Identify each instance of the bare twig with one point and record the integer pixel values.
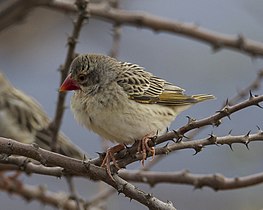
(198, 145)
(214, 120)
(139, 19)
(241, 94)
(215, 181)
(255, 85)
(72, 40)
(73, 192)
(29, 167)
(114, 51)
(155, 23)
(28, 192)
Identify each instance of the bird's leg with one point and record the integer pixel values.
(110, 157)
(143, 147)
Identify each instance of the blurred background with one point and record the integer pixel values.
(31, 53)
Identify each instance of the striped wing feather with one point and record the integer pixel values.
(144, 87)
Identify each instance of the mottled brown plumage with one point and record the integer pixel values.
(23, 119)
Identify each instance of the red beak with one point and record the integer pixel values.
(69, 84)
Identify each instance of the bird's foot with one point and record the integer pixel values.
(144, 148)
(110, 157)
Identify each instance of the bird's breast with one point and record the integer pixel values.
(115, 117)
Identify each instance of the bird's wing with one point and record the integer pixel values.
(23, 119)
(143, 87)
(24, 112)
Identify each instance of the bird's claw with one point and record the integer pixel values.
(143, 147)
(110, 157)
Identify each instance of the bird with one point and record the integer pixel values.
(22, 119)
(122, 102)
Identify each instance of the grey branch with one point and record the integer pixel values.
(28, 192)
(82, 6)
(73, 166)
(159, 24)
(18, 12)
(215, 181)
(214, 120)
(30, 167)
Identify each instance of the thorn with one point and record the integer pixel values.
(126, 146)
(259, 130)
(166, 145)
(101, 154)
(246, 144)
(248, 133)
(167, 129)
(174, 141)
(149, 196)
(250, 95)
(228, 116)
(230, 146)
(227, 102)
(84, 158)
(198, 149)
(179, 137)
(130, 199)
(190, 120)
(225, 111)
(258, 105)
(216, 123)
(229, 133)
(246, 139)
(212, 138)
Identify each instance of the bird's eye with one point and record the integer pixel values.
(81, 77)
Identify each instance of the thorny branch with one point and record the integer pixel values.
(214, 120)
(82, 6)
(214, 181)
(59, 200)
(143, 20)
(73, 166)
(255, 85)
(159, 24)
(23, 164)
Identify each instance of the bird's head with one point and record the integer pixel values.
(90, 72)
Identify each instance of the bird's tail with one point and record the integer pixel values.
(202, 97)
